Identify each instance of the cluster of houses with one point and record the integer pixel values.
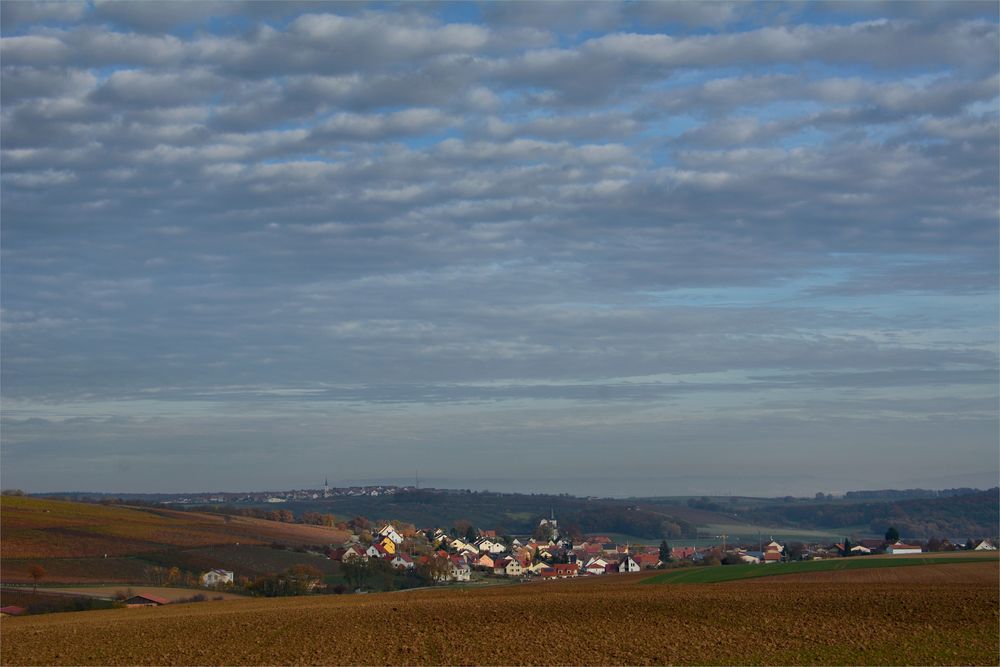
(544, 558)
(556, 558)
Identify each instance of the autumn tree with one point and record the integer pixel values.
(436, 568)
(461, 528)
(36, 572)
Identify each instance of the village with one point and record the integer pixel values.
(547, 555)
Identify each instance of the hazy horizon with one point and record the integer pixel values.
(679, 248)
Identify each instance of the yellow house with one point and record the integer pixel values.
(389, 546)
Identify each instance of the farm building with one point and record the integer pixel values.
(900, 548)
(145, 601)
(217, 577)
(985, 546)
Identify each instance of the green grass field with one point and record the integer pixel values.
(720, 573)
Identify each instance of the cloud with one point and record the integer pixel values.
(550, 225)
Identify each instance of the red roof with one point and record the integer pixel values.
(151, 598)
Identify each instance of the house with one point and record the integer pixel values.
(457, 545)
(752, 557)
(390, 532)
(485, 560)
(984, 546)
(389, 545)
(872, 545)
(513, 568)
(217, 577)
(377, 551)
(488, 533)
(564, 570)
(900, 548)
(461, 572)
(860, 550)
(508, 567)
(647, 561)
(628, 564)
(536, 568)
(680, 553)
(403, 562)
(353, 551)
(771, 557)
(596, 566)
(492, 546)
(145, 601)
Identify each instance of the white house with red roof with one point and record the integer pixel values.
(402, 561)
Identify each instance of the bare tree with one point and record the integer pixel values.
(36, 572)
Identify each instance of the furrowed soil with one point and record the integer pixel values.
(959, 573)
(605, 620)
(168, 592)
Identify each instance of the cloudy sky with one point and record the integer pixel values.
(634, 248)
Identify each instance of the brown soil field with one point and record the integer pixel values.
(166, 592)
(959, 573)
(600, 621)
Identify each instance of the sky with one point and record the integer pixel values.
(590, 248)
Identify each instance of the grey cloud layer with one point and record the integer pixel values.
(659, 211)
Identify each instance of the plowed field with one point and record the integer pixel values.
(606, 620)
(959, 573)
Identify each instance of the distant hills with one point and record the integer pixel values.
(968, 515)
(916, 513)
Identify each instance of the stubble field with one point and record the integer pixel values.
(606, 620)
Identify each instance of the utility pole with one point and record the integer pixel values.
(723, 536)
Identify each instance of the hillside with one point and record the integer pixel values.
(80, 542)
(37, 528)
(962, 516)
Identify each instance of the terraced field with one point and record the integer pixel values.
(604, 620)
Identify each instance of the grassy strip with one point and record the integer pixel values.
(719, 573)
